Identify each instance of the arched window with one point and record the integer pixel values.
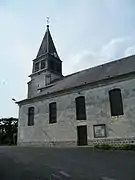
(53, 112)
(80, 108)
(116, 104)
(31, 116)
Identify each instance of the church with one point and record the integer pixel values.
(95, 105)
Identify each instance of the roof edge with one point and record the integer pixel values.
(100, 65)
(95, 84)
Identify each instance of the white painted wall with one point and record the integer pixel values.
(97, 110)
(39, 81)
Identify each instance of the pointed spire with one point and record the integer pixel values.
(47, 45)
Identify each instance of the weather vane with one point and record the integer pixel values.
(47, 20)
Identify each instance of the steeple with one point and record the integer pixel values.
(47, 45)
(47, 58)
(47, 66)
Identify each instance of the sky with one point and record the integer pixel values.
(86, 33)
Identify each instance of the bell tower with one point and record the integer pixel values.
(47, 66)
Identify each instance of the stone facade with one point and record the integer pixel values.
(64, 133)
(38, 81)
(48, 85)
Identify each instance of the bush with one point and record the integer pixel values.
(96, 146)
(129, 147)
(103, 146)
(106, 146)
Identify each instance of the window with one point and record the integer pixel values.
(116, 104)
(52, 112)
(47, 79)
(58, 67)
(31, 116)
(36, 66)
(51, 64)
(99, 130)
(42, 64)
(80, 108)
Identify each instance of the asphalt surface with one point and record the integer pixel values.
(21, 163)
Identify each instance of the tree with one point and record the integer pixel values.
(8, 130)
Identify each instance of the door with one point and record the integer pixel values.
(82, 135)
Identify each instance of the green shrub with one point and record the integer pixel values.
(114, 148)
(96, 146)
(120, 147)
(129, 147)
(103, 146)
(106, 146)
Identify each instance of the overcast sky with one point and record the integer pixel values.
(86, 33)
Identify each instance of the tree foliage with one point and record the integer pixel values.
(8, 130)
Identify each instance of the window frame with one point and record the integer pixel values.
(116, 108)
(52, 65)
(43, 62)
(36, 65)
(52, 113)
(31, 114)
(80, 111)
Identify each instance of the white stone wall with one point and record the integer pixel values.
(39, 81)
(97, 111)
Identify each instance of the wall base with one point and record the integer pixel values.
(49, 144)
(91, 142)
(112, 141)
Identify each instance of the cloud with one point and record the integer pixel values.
(82, 60)
(80, 28)
(16, 61)
(14, 47)
(85, 59)
(130, 51)
(114, 49)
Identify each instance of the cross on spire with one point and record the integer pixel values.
(47, 21)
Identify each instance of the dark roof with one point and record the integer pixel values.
(47, 45)
(109, 70)
(89, 76)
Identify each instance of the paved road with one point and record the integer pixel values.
(17, 163)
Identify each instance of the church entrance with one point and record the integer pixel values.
(82, 135)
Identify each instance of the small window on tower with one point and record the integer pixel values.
(42, 64)
(47, 79)
(51, 64)
(36, 66)
(58, 67)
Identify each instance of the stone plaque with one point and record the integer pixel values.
(99, 130)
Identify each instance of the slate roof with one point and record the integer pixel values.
(89, 76)
(112, 69)
(47, 45)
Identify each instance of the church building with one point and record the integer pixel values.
(95, 105)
